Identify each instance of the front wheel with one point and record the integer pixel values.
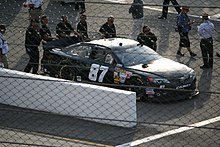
(135, 84)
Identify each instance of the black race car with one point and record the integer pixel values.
(125, 64)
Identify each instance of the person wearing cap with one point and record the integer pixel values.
(206, 30)
(108, 29)
(165, 8)
(3, 47)
(137, 12)
(82, 28)
(184, 26)
(32, 41)
(147, 38)
(35, 8)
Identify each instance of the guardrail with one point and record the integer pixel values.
(92, 102)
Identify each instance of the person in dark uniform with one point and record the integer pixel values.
(82, 28)
(165, 8)
(206, 30)
(45, 31)
(64, 28)
(66, 34)
(184, 26)
(81, 4)
(147, 38)
(32, 41)
(108, 29)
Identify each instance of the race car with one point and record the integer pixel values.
(125, 64)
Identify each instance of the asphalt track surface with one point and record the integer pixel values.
(184, 123)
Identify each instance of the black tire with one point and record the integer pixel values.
(67, 72)
(135, 84)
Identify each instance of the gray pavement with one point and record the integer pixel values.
(40, 128)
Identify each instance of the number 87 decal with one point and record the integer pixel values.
(93, 73)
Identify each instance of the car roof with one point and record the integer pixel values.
(114, 43)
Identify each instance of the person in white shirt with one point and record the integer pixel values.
(3, 47)
(206, 30)
(35, 8)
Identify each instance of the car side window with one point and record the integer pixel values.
(97, 54)
(109, 59)
(82, 51)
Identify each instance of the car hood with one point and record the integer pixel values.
(164, 67)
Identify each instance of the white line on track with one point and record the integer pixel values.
(171, 132)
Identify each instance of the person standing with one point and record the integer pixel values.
(165, 8)
(82, 28)
(34, 8)
(64, 28)
(32, 41)
(206, 30)
(137, 12)
(45, 31)
(184, 26)
(3, 47)
(108, 29)
(147, 38)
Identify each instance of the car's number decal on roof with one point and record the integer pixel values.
(94, 70)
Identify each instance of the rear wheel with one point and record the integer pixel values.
(67, 72)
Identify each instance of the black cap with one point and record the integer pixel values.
(2, 28)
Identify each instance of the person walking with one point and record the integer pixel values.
(184, 26)
(137, 12)
(34, 8)
(165, 8)
(82, 28)
(206, 30)
(81, 4)
(3, 47)
(32, 41)
(146, 37)
(108, 29)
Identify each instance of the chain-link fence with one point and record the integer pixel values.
(70, 102)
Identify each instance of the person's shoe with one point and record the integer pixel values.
(179, 53)
(192, 54)
(204, 66)
(162, 17)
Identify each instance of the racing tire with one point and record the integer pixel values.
(67, 72)
(135, 84)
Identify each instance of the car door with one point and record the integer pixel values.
(100, 67)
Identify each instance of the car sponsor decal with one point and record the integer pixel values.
(183, 86)
(150, 91)
(120, 75)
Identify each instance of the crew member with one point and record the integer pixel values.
(108, 29)
(3, 47)
(184, 26)
(206, 30)
(147, 38)
(82, 28)
(32, 41)
(64, 28)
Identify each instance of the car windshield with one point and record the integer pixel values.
(136, 55)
